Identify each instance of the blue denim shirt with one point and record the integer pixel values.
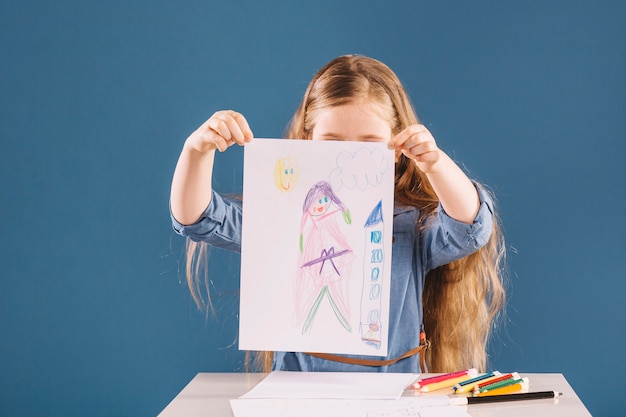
(413, 255)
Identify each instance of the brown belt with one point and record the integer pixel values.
(421, 349)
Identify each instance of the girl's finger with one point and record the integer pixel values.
(404, 139)
(420, 145)
(231, 126)
(243, 125)
(211, 137)
(218, 125)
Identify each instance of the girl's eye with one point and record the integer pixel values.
(286, 172)
(291, 171)
(325, 199)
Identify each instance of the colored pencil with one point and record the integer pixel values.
(467, 386)
(498, 379)
(447, 383)
(520, 386)
(502, 384)
(539, 395)
(432, 379)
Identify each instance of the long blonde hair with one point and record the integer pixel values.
(463, 299)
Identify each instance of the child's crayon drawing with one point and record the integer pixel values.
(325, 257)
(316, 246)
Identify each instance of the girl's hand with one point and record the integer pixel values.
(418, 144)
(455, 191)
(223, 129)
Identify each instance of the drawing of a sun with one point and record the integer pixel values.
(286, 174)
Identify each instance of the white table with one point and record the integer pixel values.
(208, 394)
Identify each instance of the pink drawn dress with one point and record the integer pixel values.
(326, 258)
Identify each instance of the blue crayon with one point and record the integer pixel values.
(474, 380)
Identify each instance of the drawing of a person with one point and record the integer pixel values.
(326, 258)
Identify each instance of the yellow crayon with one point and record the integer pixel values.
(521, 386)
(505, 383)
(448, 383)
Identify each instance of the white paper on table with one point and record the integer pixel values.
(316, 246)
(337, 385)
(414, 407)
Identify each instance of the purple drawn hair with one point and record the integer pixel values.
(324, 188)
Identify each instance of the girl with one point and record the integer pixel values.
(447, 250)
(326, 258)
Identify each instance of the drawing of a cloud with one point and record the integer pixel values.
(362, 169)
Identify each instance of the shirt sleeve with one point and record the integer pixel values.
(447, 239)
(219, 225)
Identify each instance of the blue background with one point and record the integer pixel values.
(96, 99)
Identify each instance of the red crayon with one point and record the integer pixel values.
(439, 378)
(493, 381)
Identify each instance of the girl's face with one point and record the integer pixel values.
(320, 205)
(362, 121)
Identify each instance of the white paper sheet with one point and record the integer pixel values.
(316, 246)
(417, 407)
(338, 385)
